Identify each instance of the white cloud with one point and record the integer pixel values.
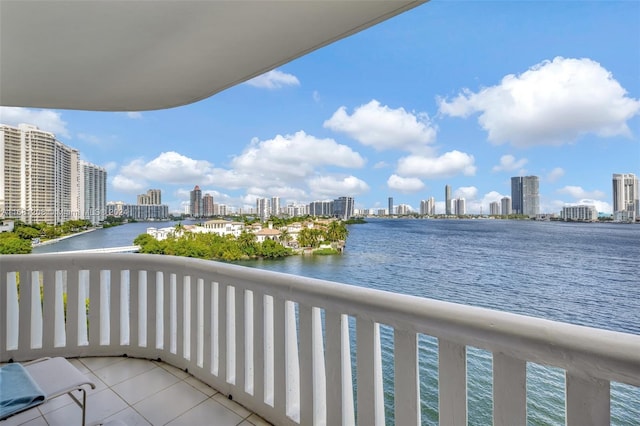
(466, 192)
(447, 165)
(383, 128)
(324, 187)
(135, 115)
(405, 185)
(316, 96)
(380, 165)
(274, 79)
(508, 163)
(552, 103)
(46, 120)
(555, 174)
(577, 192)
(292, 157)
(168, 167)
(129, 185)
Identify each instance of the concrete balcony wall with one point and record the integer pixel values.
(281, 344)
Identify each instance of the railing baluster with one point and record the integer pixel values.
(94, 308)
(185, 317)
(370, 395)
(115, 299)
(24, 311)
(60, 339)
(230, 333)
(240, 350)
(279, 357)
(407, 378)
(207, 325)
(222, 333)
(509, 390)
(134, 293)
(248, 342)
(340, 407)
(587, 401)
(194, 330)
(306, 365)
(452, 377)
(143, 280)
(258, 347)
(199, 321)
(73, 282)
(49, 307)
(151, 302)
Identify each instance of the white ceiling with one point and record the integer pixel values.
(143, 55)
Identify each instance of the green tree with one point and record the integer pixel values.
(337, 231)
(11, 243)
(310, 237)
(27, 232)
(247, 243)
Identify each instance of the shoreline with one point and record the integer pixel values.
(55, 240)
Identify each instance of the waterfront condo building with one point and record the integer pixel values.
(626, 201)
(460, 206)
(525, 195)
(344, 208)
(275, 206)
(428, 207)
(263, 208)
(447, 200)
(208, 206)
(581, 213)
(494, 208)
(93, 192)
(505, 206)
(43, 180)
(390, 206)
(195, 202)
(153, 196)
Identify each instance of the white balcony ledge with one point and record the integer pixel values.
(281, 345)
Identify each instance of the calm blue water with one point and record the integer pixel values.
(586, 274)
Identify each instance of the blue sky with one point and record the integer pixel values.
(452, 92)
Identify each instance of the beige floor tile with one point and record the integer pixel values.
(202, 387)
(233, 406)
(129, 417)
(166, 405)
(210, 413)
(121, 371)
(144, 385)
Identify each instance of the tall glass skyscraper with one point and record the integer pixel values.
(525, 195)
(390, 211)
(447, 200)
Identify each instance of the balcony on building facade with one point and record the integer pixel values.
(291, 348)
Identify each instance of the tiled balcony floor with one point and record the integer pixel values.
(139, 392)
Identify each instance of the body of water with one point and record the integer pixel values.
(586, 274)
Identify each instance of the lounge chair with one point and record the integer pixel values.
(24, 386)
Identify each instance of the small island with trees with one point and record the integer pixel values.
(229, 240)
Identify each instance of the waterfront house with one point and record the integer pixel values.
(277, 344)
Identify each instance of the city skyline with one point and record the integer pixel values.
(436, 96)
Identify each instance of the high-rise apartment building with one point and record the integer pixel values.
(93, 198)
(43, 180)
(428, 207)
(626, 201)
(195, 202)
(275, 206)
(494, 208)
(153, 196)
(321, 208)
(263, 208)
(390, 203)
(525, 195)
(505, 206)
(208, 206)
(344, 208)
(447, 200)
(582, 213)
(460, 206)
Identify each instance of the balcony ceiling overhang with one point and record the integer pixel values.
(144, 55)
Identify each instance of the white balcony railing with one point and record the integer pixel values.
(281, 345)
